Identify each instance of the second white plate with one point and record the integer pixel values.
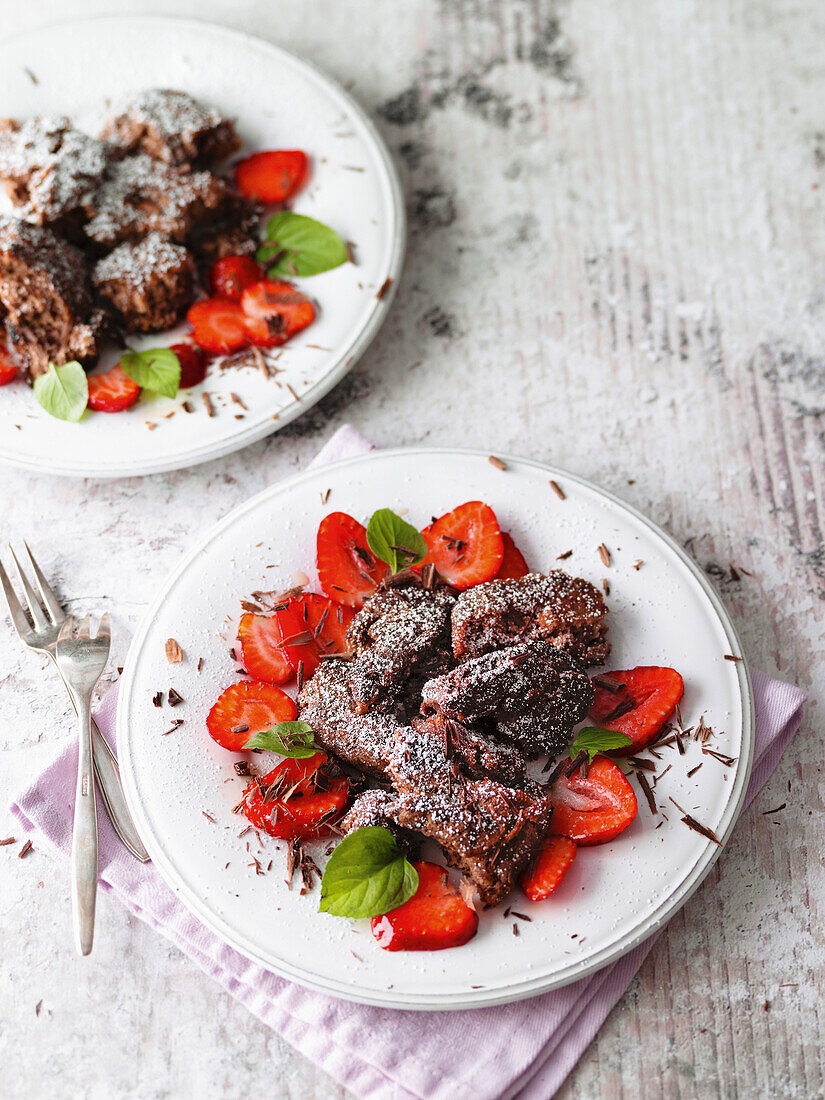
(278, 101)
(663, 612)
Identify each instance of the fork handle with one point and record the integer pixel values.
(84, 835)
(111, 790)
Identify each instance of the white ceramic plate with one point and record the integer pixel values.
(615, 895)
(278, 101)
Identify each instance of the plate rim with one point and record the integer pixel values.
(479, 998)
(349, 356)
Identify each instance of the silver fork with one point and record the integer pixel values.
(41, 635)
(81, 660)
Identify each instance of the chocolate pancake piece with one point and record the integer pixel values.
(487, 830)
(478, 752)
(534, 692)
(377, 808)
(46, 293)
(329, 702)
(149, 282)
(49, 170)
(139, 196)
(566, 611)
(404, 630)
(171, 127)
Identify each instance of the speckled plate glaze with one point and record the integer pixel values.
(664, 612)
(278, 101)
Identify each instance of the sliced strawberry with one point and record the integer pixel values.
(274, 312)
(271, 176)
(245, 709)
(513, 564)
(231, 275)
(465, 545)
(259, 639)
(348, 570)
(302, 807)
(648, 697)
(312, 625)
(553, 862)
(8, 369)
(193, 363)
(592, 809)
(113, 391)
(435, 917)
(218, 326)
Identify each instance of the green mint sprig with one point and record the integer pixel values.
(63, 391)
(594, 739)
(366, 875)
(293, 739)
(298, 245)
(394, 541)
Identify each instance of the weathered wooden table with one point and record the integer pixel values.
(616, 261)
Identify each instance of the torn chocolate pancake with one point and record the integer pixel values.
(377, 808)
(487, 830)
(566, 611)
(359, 735)
(404, 630)
(534, 693)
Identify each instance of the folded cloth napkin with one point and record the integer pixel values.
(522, 1050)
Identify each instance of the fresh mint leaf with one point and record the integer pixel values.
(293, 739)
(394, 541)
(594, 739)
(299, 245)
(63, 391)
(367, 874)
(155, 369)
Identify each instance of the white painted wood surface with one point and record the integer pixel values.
(616, 262)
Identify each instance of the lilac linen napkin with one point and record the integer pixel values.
(523, 1050)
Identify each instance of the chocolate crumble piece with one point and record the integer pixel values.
(566, 611)
(139, 196)
(49, 170)
(150, 282)
(170, 126)
(46, 296)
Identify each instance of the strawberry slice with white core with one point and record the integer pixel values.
(465, 545)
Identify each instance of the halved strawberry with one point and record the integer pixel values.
(193, 363)
(218, 326)
(648, 697)
(259, 639)
(231, 275)
(592, 809)
(8, 369)
(348, 570)
(274, 312)
(311, 626)
(465, 545)
(271, 176)
(245, 709)
(551, 865)
(435, 917)
(513, 564)
(298, 809)
(113, 391)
